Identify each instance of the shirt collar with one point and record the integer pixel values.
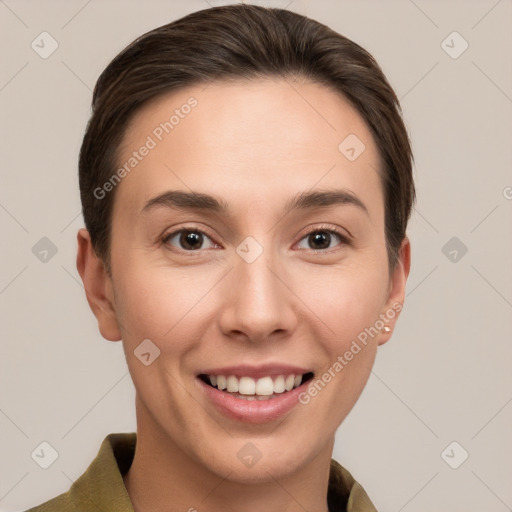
(103, 484)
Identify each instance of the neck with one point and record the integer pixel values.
(163, 477)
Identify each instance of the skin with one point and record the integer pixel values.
(253, 145)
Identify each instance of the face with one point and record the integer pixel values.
(267, 284)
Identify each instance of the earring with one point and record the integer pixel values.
(386, 328)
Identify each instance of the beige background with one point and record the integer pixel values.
(445, 376)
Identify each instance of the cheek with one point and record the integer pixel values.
(155, 305)
(347, 299)
(349, 305)
(162, 303)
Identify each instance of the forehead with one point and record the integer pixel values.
(262, 140)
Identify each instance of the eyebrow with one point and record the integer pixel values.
(184, 200)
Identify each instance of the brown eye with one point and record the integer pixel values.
(321, 239)
(188, 239)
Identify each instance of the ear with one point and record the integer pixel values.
(396, 291)
(98, 287)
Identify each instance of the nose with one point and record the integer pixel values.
(259, 302)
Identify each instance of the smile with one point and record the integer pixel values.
(253, 396)
(247, 388)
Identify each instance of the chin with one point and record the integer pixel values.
(258, 460)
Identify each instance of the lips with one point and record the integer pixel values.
(254, 394)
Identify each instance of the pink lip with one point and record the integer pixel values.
(254, 411)
(256, 372)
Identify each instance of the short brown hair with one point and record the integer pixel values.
(241, 42)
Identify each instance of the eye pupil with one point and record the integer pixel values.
(320, 238)
(191, 239)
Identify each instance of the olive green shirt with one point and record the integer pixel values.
(101, 488)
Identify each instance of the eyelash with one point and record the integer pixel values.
(344, 240)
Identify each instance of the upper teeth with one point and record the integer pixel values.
(250, 386)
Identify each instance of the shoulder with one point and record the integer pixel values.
(101, 486)
(345, 493)
(57, 504)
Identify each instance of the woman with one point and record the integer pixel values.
(246, 185)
